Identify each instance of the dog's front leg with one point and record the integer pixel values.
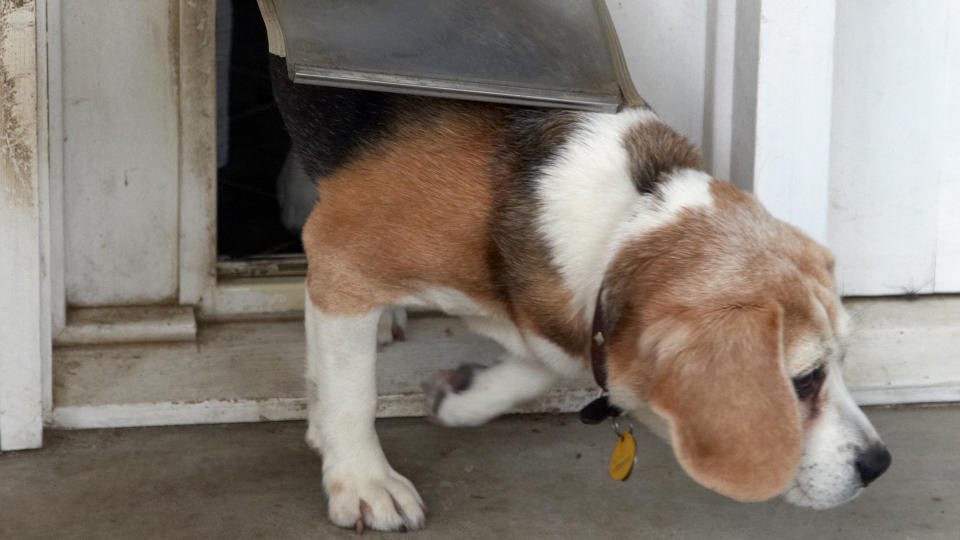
(362, 489)
(472, 394)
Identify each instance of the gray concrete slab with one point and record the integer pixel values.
(519, 477)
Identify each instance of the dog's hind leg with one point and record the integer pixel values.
(392, 326)
(362, 488)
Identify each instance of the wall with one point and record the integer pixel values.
(664, 43)
(895, 147)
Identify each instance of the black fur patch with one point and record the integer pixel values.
(329, 126)
(532, 138)
(519, 255)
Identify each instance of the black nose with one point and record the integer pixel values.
(872, 463)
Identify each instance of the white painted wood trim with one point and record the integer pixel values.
(172, 414)
(53, 69)
(388, 406)
(257, 297)
(21, 268)
(718, 99)
(743, 121)
(269, 410)
(793, 112)
(149, 324)
(198, 150)
(51, 258)
(198, 281)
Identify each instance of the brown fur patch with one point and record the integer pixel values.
(654, 149)
(412, 214)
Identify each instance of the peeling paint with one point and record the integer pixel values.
(21, 357)
(17, 132)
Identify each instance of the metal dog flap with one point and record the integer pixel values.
(553, 53)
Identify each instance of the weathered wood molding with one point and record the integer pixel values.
(24, 316)
(149, 324)
(274, 410)
(197, 100)
(257, 298)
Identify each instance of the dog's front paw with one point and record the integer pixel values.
(392, 326)
(442, 391)
(385, 502)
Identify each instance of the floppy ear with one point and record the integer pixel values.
(722, 387)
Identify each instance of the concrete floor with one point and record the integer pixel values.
(519, 477)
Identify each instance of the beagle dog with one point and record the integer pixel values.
(526, 222)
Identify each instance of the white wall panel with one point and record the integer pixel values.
(947, 276)
(894, 147)
(684, 56)
(120, 151)
(664, 44)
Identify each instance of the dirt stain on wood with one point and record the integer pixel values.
(16, 133)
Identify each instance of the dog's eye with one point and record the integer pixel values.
(808, 386)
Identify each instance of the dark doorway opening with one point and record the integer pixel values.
(252, 137)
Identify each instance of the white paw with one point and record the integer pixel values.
(385, 502)
(445, 396)
(392, 326)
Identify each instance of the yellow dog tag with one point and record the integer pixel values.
(621, 463)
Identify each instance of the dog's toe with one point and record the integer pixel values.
(387, 503)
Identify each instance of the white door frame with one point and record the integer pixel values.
(25, 344)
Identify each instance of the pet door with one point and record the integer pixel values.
(546, 53)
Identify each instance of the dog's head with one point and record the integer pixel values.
(727, 323)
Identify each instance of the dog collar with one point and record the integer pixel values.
(599, 409)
